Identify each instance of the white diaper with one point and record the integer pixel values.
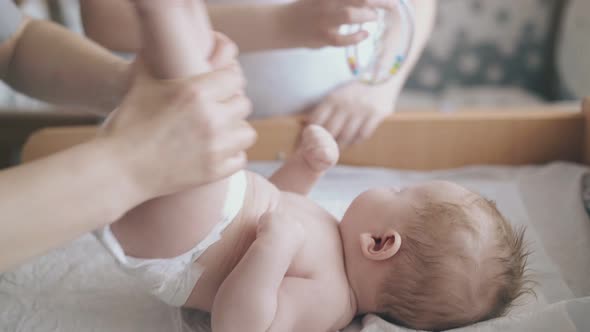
(173, 279)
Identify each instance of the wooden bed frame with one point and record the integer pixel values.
(415, 140)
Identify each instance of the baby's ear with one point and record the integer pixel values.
(380, 247)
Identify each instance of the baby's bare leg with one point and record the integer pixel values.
(316, 153)
(176, 36)
(176, 43)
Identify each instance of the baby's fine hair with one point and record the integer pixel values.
(437, 282)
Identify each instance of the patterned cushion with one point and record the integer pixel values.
(573, 48)
(586, 192)
(489, 42)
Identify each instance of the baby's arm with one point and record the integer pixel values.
(257, 296)
(316, 153)
(249, 294)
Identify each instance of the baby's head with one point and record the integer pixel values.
(434, 256)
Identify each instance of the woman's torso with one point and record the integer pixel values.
(290, 81)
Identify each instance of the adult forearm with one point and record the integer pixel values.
(254, 27)
(425, 12)
(51, 201)
(114, 25)
(111, 23)
(53, 64)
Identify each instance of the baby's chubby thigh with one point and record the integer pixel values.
(169, 226)
(159, 242)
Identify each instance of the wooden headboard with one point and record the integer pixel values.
(415, 140)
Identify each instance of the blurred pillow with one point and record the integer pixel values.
(573, 48)
(479, 42)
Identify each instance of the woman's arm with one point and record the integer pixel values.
(253, 27)
(166, 136)
(54, 200)
(425, 14)
(351, 113)
(53, 64)
(111, 23)
(114, 24)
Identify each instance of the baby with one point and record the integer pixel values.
(260, 256)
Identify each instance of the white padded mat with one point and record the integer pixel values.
(78, 287)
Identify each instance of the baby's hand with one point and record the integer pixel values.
(281, 229)
(318, 148)
(316, 23)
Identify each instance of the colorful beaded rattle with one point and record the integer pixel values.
(370, 60)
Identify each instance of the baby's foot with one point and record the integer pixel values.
(317, 148)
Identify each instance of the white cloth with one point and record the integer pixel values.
(10, 20)
(289, 81)
(173, 279)
(79, 287)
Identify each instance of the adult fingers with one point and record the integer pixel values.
(229, 166)
(384, 4)
(321, 114)
(369, 127)
(353, 15)
(224, 51)
(350, 131)
(337, 39)
(235, 140)
(336, 122)
(220, 84)
(236, 107)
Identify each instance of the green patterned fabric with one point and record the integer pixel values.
(573, 49)
(490, 42)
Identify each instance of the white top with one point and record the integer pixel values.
(289, 81)
(10, 19)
